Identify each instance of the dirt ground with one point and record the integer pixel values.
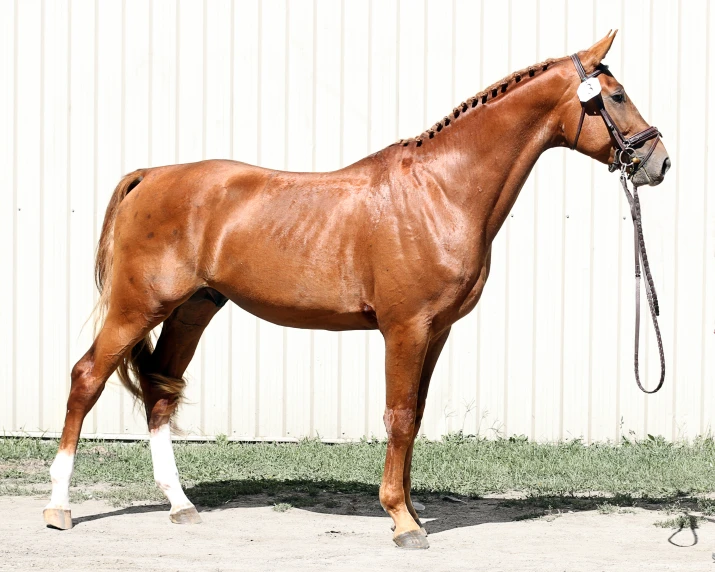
(249, 535)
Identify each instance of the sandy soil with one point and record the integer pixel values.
(248, 535)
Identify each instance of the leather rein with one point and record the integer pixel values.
(628, 162)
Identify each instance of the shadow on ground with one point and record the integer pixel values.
(443, 510)
(121, 511)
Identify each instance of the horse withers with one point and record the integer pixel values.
(399, 242)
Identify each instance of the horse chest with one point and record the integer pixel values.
(472, 295)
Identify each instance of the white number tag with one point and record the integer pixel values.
(589, 89)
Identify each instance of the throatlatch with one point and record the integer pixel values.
(628, 162)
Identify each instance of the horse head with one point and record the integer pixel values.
(611, 129)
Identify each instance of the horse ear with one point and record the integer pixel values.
(593, 55)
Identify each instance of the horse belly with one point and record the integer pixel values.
(299, 312)
(305, 318)
(314, 288)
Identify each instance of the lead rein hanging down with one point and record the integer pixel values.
(628, 162)
(641, 256)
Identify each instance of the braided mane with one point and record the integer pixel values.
(491, 92)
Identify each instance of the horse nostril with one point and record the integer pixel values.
(666, 166)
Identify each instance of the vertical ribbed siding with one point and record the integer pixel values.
(94, 89)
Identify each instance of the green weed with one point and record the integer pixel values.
(680, 521)
(706, 506)
(547, 474)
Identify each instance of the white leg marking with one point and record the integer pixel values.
(166, 474)
(61, 473)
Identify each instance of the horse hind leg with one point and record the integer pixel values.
(161, 386)
(119, 333)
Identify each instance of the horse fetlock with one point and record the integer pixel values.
(393, 502)
(166, 475)
(57, 513)
(404, 522)
(61, 473)
(171, 487)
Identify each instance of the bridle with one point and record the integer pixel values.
(625, 156)
(628, 163)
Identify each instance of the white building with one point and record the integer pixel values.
(92, 90)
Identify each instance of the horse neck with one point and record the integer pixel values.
(485, 159)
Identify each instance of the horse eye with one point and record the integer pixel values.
(618, 97)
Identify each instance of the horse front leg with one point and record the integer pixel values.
(175, 348)
(433, 352)
(405, 349)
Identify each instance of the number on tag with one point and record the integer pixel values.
(589, 89)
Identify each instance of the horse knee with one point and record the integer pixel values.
(400, 426)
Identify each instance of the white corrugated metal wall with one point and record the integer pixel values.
(91, 90)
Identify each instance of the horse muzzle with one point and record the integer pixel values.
(653, 170)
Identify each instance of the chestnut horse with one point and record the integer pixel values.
(399, 241)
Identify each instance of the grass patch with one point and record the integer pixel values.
(549, 476)
(619, 504)
(706, 506)
(608, 508)
(680, 521)
(298, 501)
(529, 516)
(549, 515)
(282, 507)
(12, 489)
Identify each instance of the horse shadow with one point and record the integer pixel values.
(136, 509)
(443, 510)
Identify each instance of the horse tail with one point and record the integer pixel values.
(136, 360)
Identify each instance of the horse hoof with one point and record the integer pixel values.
(58, 518)
(187, 515)
(411, 540)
